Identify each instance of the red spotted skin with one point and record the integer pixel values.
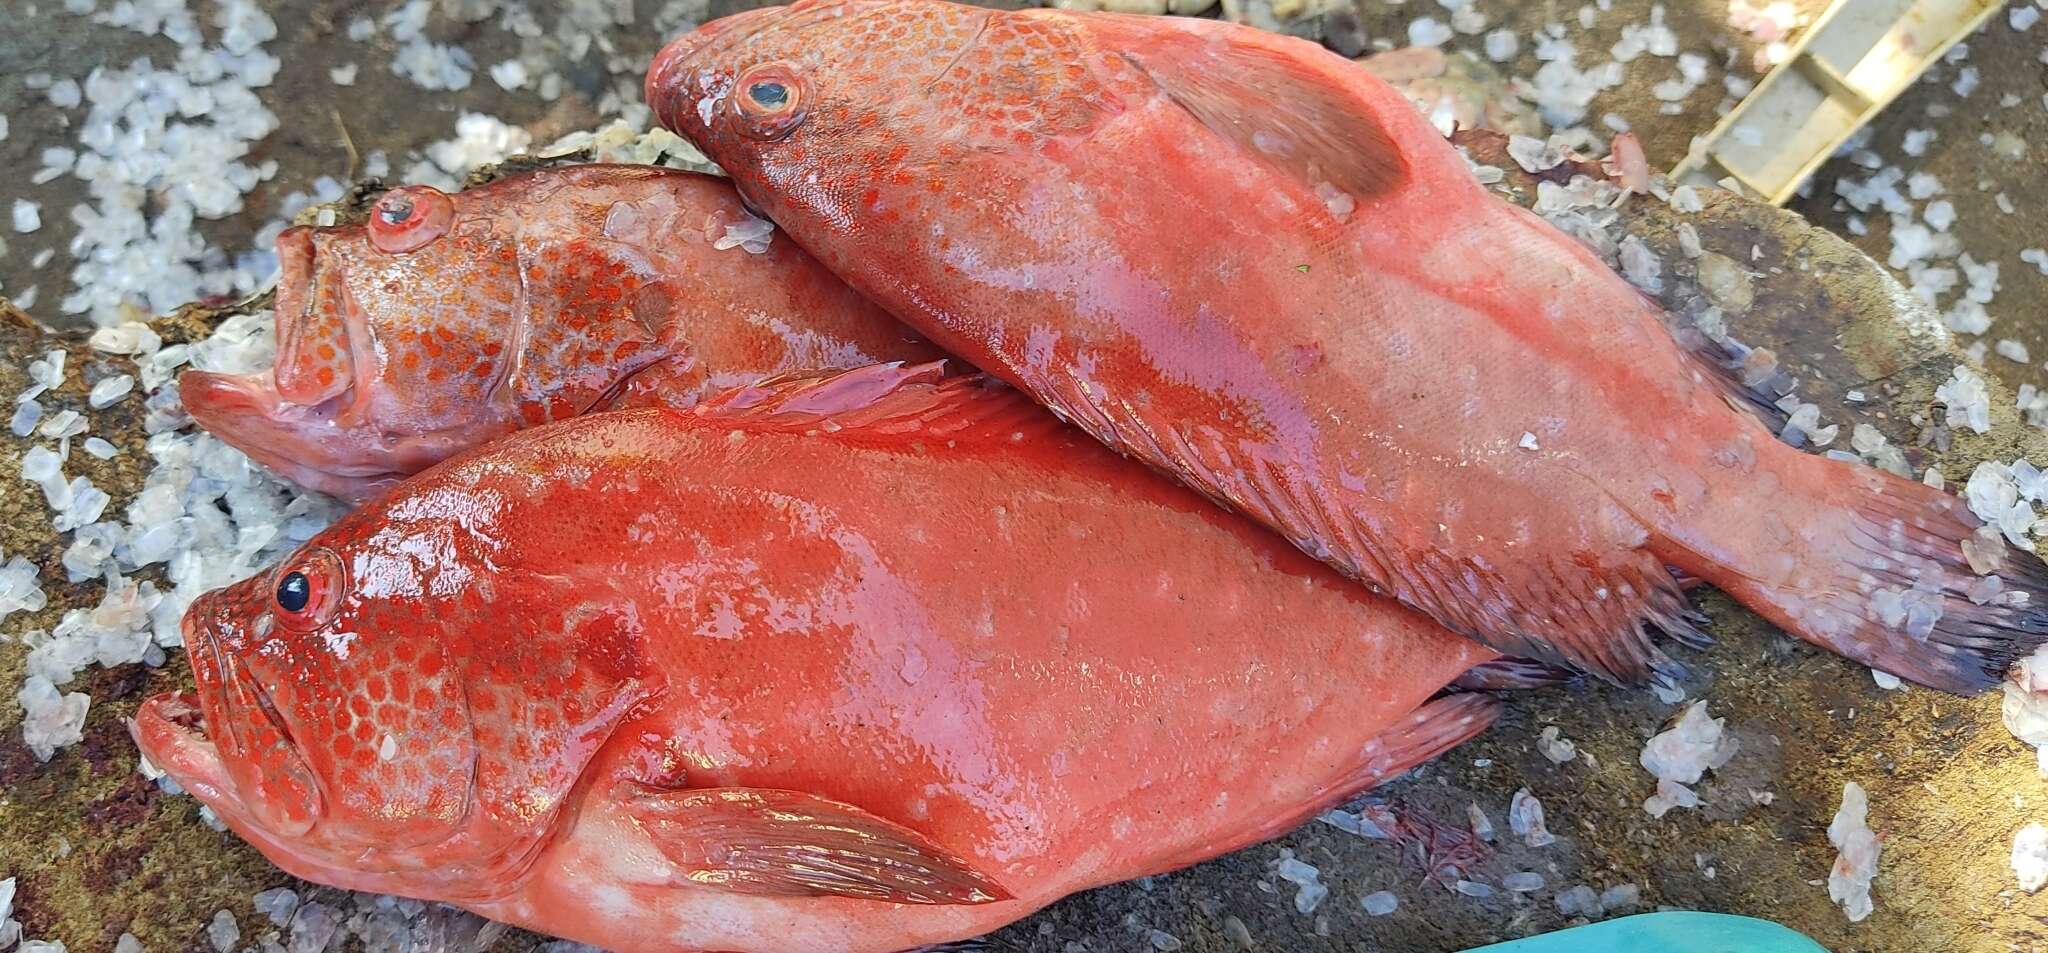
(885, 616)
(1355, 368)
(549, 294)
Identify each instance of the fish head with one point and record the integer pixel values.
(858, 111)
(407, 337)
(400, 705)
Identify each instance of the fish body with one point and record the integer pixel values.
(1251, 264)
(804, 668)
(445, 320)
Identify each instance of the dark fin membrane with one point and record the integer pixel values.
(1513, 674)
(1444, 852)
(1898, 592)
(1731, 373)
(1686, 581)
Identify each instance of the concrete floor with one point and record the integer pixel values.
(98, 852)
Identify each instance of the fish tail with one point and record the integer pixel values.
(1887, 571)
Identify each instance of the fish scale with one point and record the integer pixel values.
(803, 667)
(1253, 265)
(540, 297)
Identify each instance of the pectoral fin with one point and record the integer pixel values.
(791, 844)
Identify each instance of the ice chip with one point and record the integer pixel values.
(1857, 850)
(1525, 818)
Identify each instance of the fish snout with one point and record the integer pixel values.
(678, 81)
(668, 90)
(240, 409)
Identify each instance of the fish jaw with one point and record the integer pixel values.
(275, 788)
(170, 730)
(311, 446)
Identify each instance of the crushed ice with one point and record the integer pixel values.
(1857, 849)
(1680, 755)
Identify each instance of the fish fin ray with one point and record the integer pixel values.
(1270, 99)
(1434, 727)
(1507, 674)
(1904, 539)
(895, 401)
(1591, 619)
(1430, 729)
(1722, 367)
(790, 844)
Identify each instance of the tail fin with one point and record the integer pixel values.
(1873, 567)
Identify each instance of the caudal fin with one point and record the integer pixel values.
(1882, 570)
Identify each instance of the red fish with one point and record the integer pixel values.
(808, 667)
(1252, 264)
(446, 320)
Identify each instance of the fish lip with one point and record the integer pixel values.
(246, 412)
(170, 729)
(221, 674)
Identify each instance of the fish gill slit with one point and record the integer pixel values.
(515, 339)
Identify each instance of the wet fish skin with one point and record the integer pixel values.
(532, 298)
(1251, 264)
(635, 668)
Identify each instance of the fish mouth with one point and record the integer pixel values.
(173, 733)
(170, 729)
(308, 445)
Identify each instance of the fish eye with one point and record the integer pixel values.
(408, 218)
(308, 589)
(769, 94)
(293, 592)
(770, 102)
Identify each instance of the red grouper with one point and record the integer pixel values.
(805, 668)
(445, 320)
(1252, 264)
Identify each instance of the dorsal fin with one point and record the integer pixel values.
(894, 401)
(1266, 95)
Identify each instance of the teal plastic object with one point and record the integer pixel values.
(1672, 932)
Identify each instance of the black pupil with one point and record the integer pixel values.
(293, 592)
(769, 95)
(396, 210)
